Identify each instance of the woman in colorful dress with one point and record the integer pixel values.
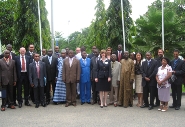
(60, 89)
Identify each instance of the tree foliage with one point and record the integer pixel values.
(149, 29)
(7, 9)
(114, 21)
(27, 24)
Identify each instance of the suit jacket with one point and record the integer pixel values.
(7, 72)
(103, 69)
(179, 71)
(116, 71)
(85, 70)
(33, 74)
(159, 62)
(12, 54)
(18, 65)
(51, 69)
(71, 74)
(93, 67)
(116, 52)
(90, 55)
(149, 72)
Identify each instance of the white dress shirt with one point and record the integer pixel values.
(70, 61)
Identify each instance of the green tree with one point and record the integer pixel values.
(7, 9)
(114, 23)
(27, 24)
(99, 27)
(149, 37)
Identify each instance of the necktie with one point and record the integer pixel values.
(10, 57)
(49, 59)
(119, 56)
(38, 70)
(174, 64)
(23, 64)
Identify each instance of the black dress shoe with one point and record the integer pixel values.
(27, 104)
(82, 103)
(88, 102)
(150, 107)
(37, 105)
(143, 106)
(101, 106)
(20, 105)
(172, 106)
(130, 105)
(43, 105)
(47, 103)
(15, 104)
(93, 102)
(55, 103)
(156, 105)
(177, 108)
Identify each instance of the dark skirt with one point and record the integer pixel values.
(103, 85)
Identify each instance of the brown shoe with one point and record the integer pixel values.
(160, 108)
(12, 107)
(67, 104)
(74, 104)
(115, 105)
(3, 109)
(165, 108)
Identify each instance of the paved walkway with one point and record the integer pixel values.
(91, 116)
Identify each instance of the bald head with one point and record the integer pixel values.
(22, 51)
(78, 50)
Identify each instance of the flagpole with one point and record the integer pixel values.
(163, 25)
(52, 29)
(40, 31)
(123, 25)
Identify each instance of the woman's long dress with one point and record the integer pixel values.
(60, 89)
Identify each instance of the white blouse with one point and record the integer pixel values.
(162, 74)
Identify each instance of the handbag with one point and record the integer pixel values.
(172, 79)
(2, 93)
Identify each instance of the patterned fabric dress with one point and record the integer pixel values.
(60, 89)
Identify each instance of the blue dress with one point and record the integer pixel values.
(60, 89)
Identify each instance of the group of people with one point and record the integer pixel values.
(103, 73)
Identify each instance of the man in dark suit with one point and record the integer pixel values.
(12, 56)
(160, 53)
(119, 53)
(178, 67)
(71, 76)
(57, 53)
(8, 79)
(22, 67)
(94, 60)
(92, 54)
(51, 63)
(149, 83)
(37, 73)
(85, 82)
(30, 53)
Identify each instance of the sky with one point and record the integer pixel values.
(74, 15)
